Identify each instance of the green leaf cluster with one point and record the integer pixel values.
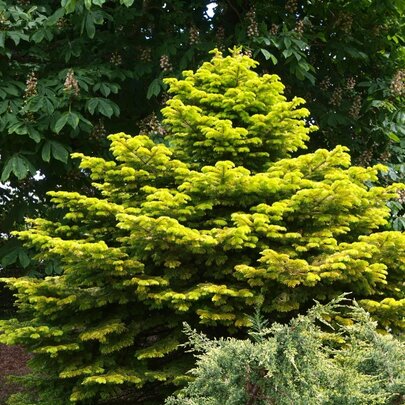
(218, 219)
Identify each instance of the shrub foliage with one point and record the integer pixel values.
(298, 364)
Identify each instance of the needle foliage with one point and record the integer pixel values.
(299, 364)
(218, 218)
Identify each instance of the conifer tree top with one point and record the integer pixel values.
(226, 111)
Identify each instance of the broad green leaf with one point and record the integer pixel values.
(37, 103)
(84, 120)
(54, 149)
(304, 66)
(73, 120)
(19, 165)
(17, 36)
(398, 224)
(114, 88)
(297, 55)
(69, 5)
(89, 24)
(46, 151)
(267, 55)
(301, 44)
(5, 174)
(34, 134)
(14, 36)
(310, 77)
(3, 106)
(102, 106)
(23, 258)
(2, 38)
(154, 88)
(98, 16)
(377, 103)
(395, 205)
(68, 117)
(61, 122)
(10, 258)
(287, 52)
(58, 14)
(34, 103)
(394, 137)
(105, 90)
(22, 166)
(59, 152)
(49, 269)
(115, 108)
(38, 36)
(48, 106)
(105, 108)
(18, 128)
(287, 42)
(92, 105)
(11, 89)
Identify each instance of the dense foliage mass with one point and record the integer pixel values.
(221, 220)
(299, 364)
(73, 71)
